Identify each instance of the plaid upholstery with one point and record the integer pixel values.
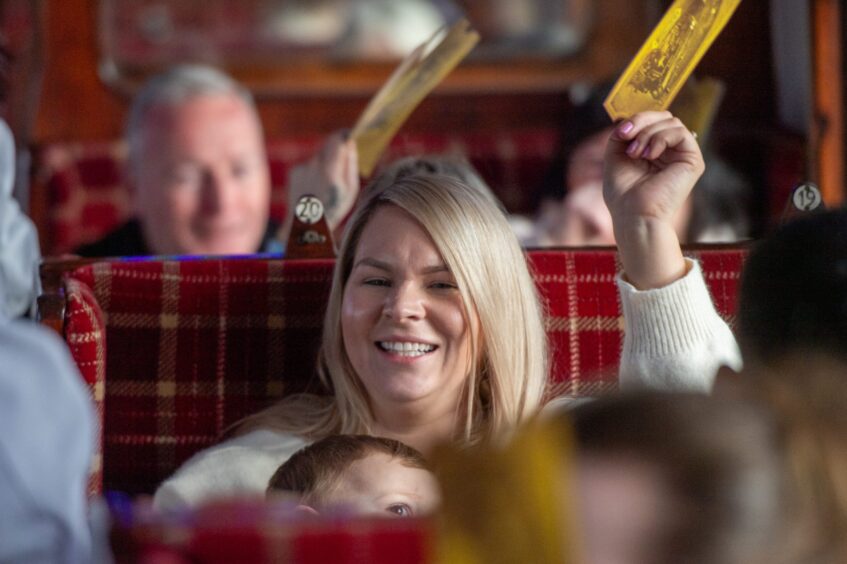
(86, 196)
(85, 335)
(195, 345)
(584, 322)
(259, 533)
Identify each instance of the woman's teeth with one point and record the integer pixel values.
(405, 348)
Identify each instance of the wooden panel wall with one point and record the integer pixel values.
(77, 105)
(826, 143)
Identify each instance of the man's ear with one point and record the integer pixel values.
(306, 510)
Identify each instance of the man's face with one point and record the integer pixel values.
(201, 182)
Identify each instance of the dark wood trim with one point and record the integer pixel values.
(51, 305)
(826, 142)
(85, 99)
(312, 239)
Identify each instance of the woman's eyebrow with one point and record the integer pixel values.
(373, 263)
(378, 264)
(435, 269)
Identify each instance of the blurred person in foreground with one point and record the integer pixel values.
(47, 434)
(199, 172)
(47, 428)
(808, 392)
(671, 478)
(643, 477)
(19, 252)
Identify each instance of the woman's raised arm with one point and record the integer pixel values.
(674, 338)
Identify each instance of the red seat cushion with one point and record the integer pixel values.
(260, 533)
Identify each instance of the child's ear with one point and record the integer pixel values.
(306, 510)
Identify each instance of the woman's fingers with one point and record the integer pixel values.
(352, 162)
(331, 146)
(653, 138)
(629, 129)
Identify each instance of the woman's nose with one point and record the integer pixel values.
(404, 301)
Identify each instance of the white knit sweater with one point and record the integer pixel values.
(674, 338)
(241, 466)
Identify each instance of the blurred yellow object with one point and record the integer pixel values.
(669, 56)
(510, 504)
(697, 104)
(417, 76)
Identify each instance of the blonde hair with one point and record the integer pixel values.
(508, 371)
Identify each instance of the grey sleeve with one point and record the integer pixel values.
(19, 252)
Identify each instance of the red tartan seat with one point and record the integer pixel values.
(84, 195)
(191, 346)
(260, 533)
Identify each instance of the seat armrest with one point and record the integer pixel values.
(52, 302)
(85, 335)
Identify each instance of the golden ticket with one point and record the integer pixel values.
(697, 104)
(668, 57)
(416, 76)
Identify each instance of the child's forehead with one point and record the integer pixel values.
(379, 478)
(379, 458)
(378, 466)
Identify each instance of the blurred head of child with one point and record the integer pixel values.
(360, 475)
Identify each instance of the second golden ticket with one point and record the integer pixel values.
(669, 56)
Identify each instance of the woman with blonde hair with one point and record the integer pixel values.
(418, 344)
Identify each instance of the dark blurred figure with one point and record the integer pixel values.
(794, 290)
(454, 166)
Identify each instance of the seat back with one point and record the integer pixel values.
(192, 346)
(259, 533)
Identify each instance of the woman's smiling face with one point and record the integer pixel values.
(403, 319)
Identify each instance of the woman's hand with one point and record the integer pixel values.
(332, 175)
(652, 163)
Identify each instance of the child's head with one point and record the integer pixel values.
(679, 477)
(363, 474)
(794, 291)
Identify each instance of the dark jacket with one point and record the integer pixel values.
(128, 241)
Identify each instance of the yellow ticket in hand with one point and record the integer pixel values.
(669, 56)
(419, 73)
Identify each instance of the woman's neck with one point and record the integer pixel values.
(422, 431)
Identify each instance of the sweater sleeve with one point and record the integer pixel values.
(239, 467)
(674, 338)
